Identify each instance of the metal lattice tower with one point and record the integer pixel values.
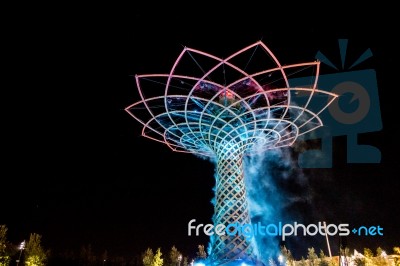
(227, 109)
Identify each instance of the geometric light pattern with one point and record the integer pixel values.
(226, 109)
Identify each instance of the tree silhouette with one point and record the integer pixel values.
(34, 252)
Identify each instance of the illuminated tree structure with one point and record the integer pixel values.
(227, 109)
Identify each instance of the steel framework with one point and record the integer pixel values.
(227, 109)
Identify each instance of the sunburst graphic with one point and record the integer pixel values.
(343, 49)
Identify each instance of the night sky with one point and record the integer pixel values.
(75, 168)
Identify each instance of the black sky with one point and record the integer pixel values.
(74, 166)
